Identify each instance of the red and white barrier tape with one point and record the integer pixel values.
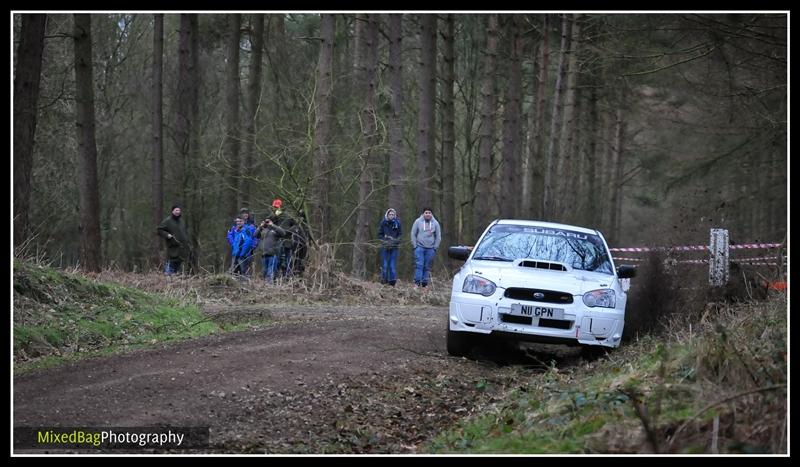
(755, 246)
(705, 261)
(699, 247)
(735, 260)
(662, 248)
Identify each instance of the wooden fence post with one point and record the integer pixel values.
(719, 258)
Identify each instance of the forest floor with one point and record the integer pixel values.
(363, 368)
(316, 379)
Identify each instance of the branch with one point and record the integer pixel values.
(672, 65)
(727, 399)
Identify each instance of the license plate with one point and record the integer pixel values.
(537, 311)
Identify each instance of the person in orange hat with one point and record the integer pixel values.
(286, 253)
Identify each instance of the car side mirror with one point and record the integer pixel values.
(459, 252)
(626, 272)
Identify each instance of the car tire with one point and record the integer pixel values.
(594, 352)
(459, 344)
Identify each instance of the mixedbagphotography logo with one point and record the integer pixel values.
(103, 438)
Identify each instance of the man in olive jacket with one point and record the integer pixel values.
(173, 230)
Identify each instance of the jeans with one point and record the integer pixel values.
(389, 265)
(241, 265)
(423, 257)
(173, 266)
(270, 267)
(286, 261)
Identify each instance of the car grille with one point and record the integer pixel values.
(528, 294)
(554, 323)
(516, 319)
(543, 322)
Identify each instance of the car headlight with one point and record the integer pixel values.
(478, 285)
(604, 298)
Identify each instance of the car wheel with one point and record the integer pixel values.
(594, 352)
(459, 344)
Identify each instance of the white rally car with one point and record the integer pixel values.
(539, 282)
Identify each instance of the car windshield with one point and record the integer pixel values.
(582, 251)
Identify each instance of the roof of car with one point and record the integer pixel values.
(551, 225)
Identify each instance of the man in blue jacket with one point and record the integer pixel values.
(249, 224)
(241, 240)
(389, 233)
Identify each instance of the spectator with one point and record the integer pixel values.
(173, 230)
(287, 244)
(425, 238)
(271, 233)
(249, 224)
(389, 232)
(241, 240)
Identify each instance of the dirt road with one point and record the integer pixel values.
(313, 380)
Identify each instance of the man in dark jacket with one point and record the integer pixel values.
(389, 233)
(271, 235)
(286, 254)
(173, 230)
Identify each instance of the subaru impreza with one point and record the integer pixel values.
(539, 282)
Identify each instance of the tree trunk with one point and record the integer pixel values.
(157, 119)
(576, 197)
(511, 184)
(617, 163)
(157, 115)
(89, 194)
(397, 165)
(195, 219)
(532, 203)
(321, 184)
(607, 167)
(232, 112)
(427, 106)
(563, 155)
(26, 104)
(565, 194)
(187, 131)
(279, 100)
(469, 98)
(367, 48)
(448, 217)
(483, 215)
(591, 161)
(182, 110)
(253, 105)
(548, 204)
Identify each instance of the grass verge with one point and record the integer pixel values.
(717, 386)
(60, 316)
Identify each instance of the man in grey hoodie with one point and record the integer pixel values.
(425, 238)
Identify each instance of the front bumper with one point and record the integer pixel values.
(580, 325)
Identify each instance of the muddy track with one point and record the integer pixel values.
(314, 380)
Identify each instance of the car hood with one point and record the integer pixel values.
(575, 282)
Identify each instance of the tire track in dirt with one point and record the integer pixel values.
(317, 379)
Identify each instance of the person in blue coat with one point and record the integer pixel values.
(240, 239)
(389, 232)
(249, 224)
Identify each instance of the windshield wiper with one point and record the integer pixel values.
(493, 258)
